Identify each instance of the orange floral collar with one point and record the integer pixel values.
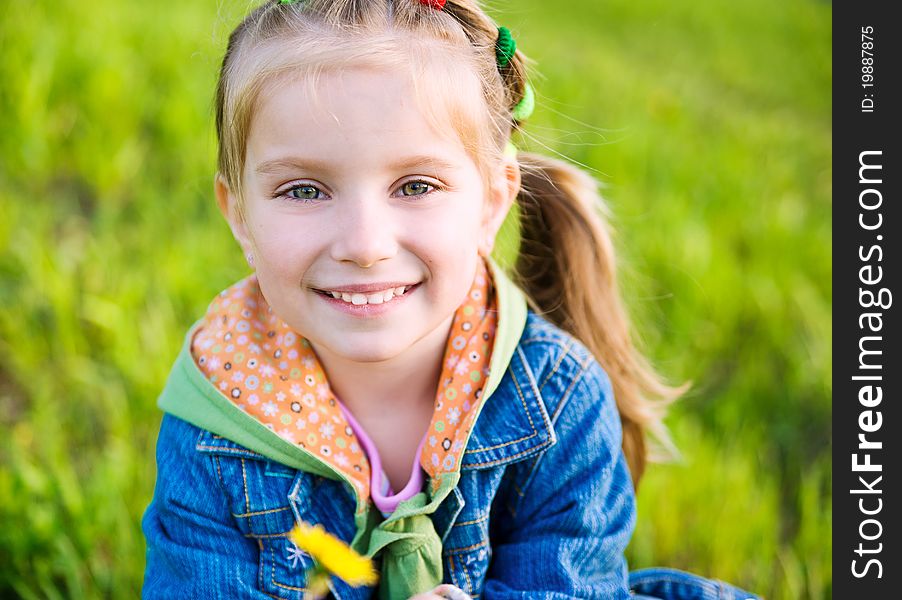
(265, 368)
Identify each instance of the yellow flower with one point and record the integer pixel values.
(334, 555)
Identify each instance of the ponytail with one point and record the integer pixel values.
(566, 267)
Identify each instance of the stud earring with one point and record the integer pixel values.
(250, 259)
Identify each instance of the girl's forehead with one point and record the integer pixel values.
(360, 114)
(346, 103)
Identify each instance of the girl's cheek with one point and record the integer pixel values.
(280, 248)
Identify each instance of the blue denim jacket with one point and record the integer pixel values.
(544, 507)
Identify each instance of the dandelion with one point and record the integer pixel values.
(331, 557)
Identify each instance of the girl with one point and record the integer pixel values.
(379, 373)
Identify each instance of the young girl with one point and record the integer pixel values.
(379, 373)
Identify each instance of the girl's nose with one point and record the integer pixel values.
(365, 234)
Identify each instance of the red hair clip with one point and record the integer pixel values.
(436, 4)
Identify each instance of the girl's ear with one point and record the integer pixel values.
(228, 206)
(505, 187)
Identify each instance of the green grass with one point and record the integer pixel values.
(708, 122)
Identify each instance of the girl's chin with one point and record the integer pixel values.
(357, 348)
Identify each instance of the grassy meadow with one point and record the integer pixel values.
(709, 124)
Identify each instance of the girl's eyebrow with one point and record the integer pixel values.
(280, 164)
(407, 163)
(422, 161)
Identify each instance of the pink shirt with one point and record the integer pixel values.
(385, 499)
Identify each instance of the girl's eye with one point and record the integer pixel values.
(303, 192)
(416, 188)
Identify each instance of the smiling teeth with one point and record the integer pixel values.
(374, 298)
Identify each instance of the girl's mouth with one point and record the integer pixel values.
(372, 298)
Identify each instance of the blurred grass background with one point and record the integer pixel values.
(709, 122)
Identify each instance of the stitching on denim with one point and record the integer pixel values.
(272, 555)
(508, 458)
(451, 570)
(511, 442)
(222, 485)
(469, 587)
(260, 567)
(455, 551)
(540, 400)
(484, 517)
(505, 444)
(566, 395)
(266, 536)
(247, 500)
(550, 426)
(564, 353)
(272, 564)
(519, 389)
(256, 513)
(565, 398)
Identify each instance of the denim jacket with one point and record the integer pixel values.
(544, 506)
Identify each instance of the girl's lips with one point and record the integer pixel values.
(367, 310)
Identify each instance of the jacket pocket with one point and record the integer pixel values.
(282, 567)
(258, 492)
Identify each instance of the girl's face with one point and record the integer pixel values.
(353, 192)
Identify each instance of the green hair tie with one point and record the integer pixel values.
(504, 47)
(525, 106)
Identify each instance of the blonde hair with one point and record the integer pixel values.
(566, 261)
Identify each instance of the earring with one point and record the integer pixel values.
(250, 259)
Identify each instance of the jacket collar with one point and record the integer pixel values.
(514, 423)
